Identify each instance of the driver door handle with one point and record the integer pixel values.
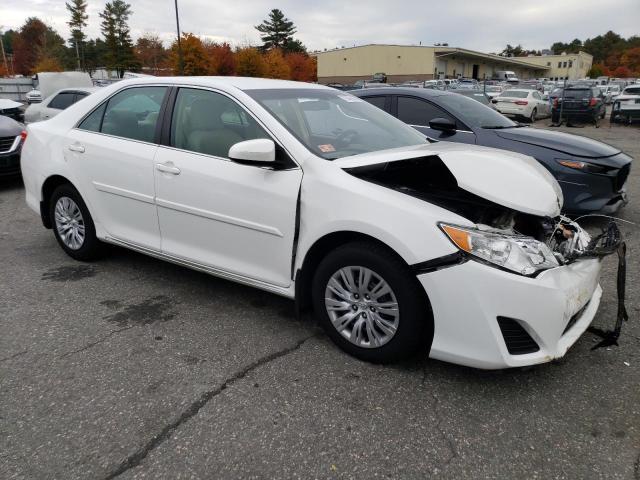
(164, 168)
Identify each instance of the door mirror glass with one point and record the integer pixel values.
(258, 151)
(442, 124)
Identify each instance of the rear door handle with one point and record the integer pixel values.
(161, 167)
(76, 148)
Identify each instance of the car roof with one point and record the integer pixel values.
(241, 83)
(528, 90)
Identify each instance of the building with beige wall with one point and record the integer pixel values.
(417, 62)
(573, 66)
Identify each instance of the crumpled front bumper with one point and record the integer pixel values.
(468, 298)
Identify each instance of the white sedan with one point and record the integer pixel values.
(522, 103)
(397, 245)
(54, 104)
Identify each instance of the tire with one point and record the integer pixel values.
(397, 333)
(534, 113)
(69, 214)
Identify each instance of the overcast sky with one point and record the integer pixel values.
(485, 25)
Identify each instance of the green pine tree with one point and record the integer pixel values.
(277, 32)
(79, 17)
(115, 29)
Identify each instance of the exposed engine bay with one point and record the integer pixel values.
(429, 179)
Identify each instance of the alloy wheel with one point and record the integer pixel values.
(362, 306)
(69, 223)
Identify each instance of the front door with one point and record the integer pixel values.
(239, 219)
(418, 112)
(111, 152)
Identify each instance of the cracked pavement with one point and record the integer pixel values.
(133, 368)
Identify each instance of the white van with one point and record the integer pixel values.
(506, 75)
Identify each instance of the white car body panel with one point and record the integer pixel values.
(507, 105)
(239, 221)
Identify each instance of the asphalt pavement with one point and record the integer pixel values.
(134, 368)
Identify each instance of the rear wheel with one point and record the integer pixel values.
(370, 303)
(72, 224)
(534, 114)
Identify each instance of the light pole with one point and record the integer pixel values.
(180, 59)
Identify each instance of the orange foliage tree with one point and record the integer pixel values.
(302, 67)
(631, 59)
(221, 58)
(249, 62)
(194, 56)
(48, 64)
(276, 65)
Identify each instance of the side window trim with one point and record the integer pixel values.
(460, 126)
(105, 104)
(165, 138)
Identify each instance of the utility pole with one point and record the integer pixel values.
(180, 59)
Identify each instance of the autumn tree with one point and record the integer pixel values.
(621, 72)
(631, 59)
(78, 11)
(221, 58)
(34, 42)
(275, 65)
(194, 56)
(150, 53)
(302, 67)
(48, 64)
(115, 29)
(249, 62)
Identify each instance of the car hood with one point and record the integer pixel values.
(561, 142)
(9, 127)
(509, 179)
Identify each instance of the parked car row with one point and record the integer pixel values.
(398, 243)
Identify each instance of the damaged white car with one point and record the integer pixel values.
(396, 244)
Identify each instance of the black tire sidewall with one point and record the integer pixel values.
(91, 248)
(415, 329)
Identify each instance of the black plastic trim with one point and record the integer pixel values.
(438, 263)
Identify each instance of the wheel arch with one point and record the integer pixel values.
(48, 187)
(320, 248)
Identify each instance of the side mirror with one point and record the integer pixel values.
(442, 124)
(260, 151)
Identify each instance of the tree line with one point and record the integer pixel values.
(37, 47)
(613, 55)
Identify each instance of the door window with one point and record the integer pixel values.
(62, 100)
(419, 112)
(376, 101)
(132, 113)
(210, 123)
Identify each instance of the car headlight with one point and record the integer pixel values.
(519, 254)
(583, 166)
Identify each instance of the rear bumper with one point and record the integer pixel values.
(554, 309)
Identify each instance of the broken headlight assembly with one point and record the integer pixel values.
(520, 254)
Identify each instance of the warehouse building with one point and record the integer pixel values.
(412, 62)
(571, 66)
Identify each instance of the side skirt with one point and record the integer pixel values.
(287, 292)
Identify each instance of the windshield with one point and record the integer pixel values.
(473, 113)
(334, 124)
(632, 91)
(514, 94)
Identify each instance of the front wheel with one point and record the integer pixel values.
(72, 224)
(371, 304)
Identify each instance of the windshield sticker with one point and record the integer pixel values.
(327, 148)
(350, 98)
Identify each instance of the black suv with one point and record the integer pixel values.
(580, 103)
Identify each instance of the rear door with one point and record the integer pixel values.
(418, 112)
(237, 219)
(111, 152)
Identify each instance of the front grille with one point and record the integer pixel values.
(621, 178)
(518, 341)
(5, 143)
